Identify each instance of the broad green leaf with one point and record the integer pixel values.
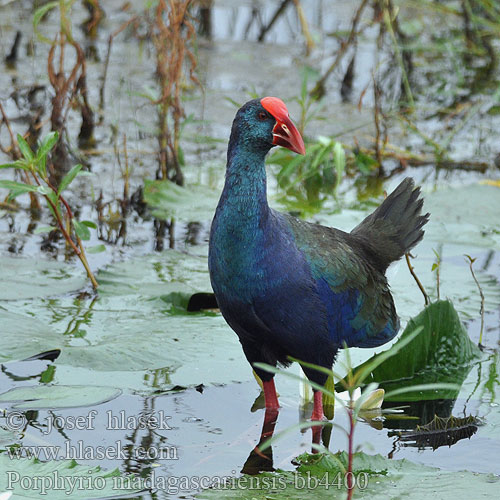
(441, 353)
(319, 157)
(81, 230)
(58, 396)
(25, 148)
(68, 178)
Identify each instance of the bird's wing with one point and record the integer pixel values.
(359, 304)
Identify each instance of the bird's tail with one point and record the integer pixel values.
(395, 227)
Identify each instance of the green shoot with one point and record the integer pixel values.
(34, 164)
(481, 311)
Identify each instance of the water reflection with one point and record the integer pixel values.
(261, 460)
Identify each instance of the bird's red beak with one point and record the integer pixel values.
(285, 133)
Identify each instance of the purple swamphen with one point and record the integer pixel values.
(291, 288)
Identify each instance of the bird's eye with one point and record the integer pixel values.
(262, 116)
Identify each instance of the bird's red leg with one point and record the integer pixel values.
(317, 413)
(270, 395)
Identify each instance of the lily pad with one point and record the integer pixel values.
(127, 334)
(156, 275)
(7, 437)
(58, 396)
(473, 220)
(29, 478)
(138, 323)
(23, 278)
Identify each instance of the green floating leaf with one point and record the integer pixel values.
(156, 275)
(122, 335)
(114, 338)
(30, 478)
(58, 396)
(24, 278)
(441, 353)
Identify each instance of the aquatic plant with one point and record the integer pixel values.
(34, 166)
(173, 35)
(69, 85)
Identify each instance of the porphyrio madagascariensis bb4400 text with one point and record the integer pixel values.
(292, 288)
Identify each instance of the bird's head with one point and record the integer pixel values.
(263, 123)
